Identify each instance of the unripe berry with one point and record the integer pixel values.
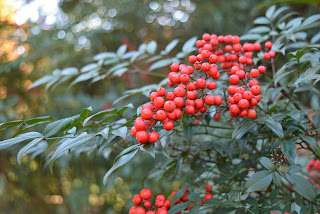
(153, 137)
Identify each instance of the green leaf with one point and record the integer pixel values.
(121, 50)
(123, 109)
(24, 149)
(104, 55)
(37, 120)
(294, 168)
(212, 201)
(267, 163)
(289, 149)
(258, 181)
(177, 196)
(270, 11)
(84, 114)
(41, 81)
(26, 136)
(57, 126)
(243, 128)
(179, 207)
(274, 126)
(149, 148)
(105, 133)
(261, 20)
(171, 45)
(192, 196)
(260, 29)
(121, 132)
(162, 63)
(123, 158)
(89, 67)
(304, 188)
(310, 140)
(315, 38)
(251, 37)
(152, 47)
(189, 45)
(276, 179)
(99, 114)
(69, 71)
(311, 19)
(195, 209)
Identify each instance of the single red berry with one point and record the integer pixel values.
(211, 85)
(191, 95)
(209, 100)
(191, 86)
(206, 53)
(232, 89)
(237, 97)
(142, 137)
(208, 196)
(262, 69)
(241, 74)
(213, 58)
(256, 90)
(253, 82)
(146, 194)
(174, 67)
(235, 39)
(268, 45)
(217, 116)
(201, 83)
(148, 204)
(178, 113)
(159, 102)
(153, 137)
(146, 114)
(161, 91)
(132, 210)
(179, 91)
(254, 73)
(192, 59)
(140, 210)
(168, 125)
(160, 197)
(161, 115)
(253, 101)
(251, 114)
(234, 109)
(153, 95)
(163, 211)
(266, 56)
(137, 199)
(243, 113)
(133, 131)
(272, 54)
(169, 106)
(243, 103)
(179, 102)
(257, 46)
(170, 96)
(150, 212)
(234, 79)
(243, 59)
(140, 125)
(184, 78)
(247, 95)
(208, 188)
(199, 103)
(218, 100)
(190, 109)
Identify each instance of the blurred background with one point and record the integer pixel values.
(38, 36)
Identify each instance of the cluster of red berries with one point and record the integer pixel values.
(161, 206)
(314, 166)
(193, 85)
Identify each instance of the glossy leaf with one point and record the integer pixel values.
(23, 137)
(258, 181)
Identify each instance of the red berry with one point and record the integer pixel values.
(137, 200)
(148, 204)
(243, 113)
(234, 79)
(174, 67)
(168, 125)
(140, 125)
(146, 114)
(191, 86)
(243, 59)
(205, 66)
(150, 212)
(218, 100)
(140, 210)
(254, 73)
(142, 137)
(192, 59)
(272, 54)
(211, 85)
(247, 95)
(161, 91)
(256, 90)
(201, 83)
(251, 114)
(133, 131)
(268, 45)
(153, 95)
(266, 56)
(208, 196)
(213, 58)
(132, 210)
(153, 137)
(235, 39)
(257, 46)
(146, 194)
(241, 74)
(184, 78)
(209, 100)
(208, 188)
(159, 102)
(253, 101)
(237, 97)
(232, 89)
(169, 106)
(161, 115)
(179, 91)
(160, 197)
(234, 109)
(179, 102)
(253, 82)
(191, 95)
(262, 69)
(199, 103)
(243, 103)
(206, 36)
(162, 211)
(217, 116)
(190, 109)
(178, 113)
(170, 96)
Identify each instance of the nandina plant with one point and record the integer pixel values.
(236, 121)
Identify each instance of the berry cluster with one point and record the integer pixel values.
(161, 206)
(193, 85)
(314, 166)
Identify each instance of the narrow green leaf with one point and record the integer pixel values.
(310, 140)
(242, 129)
(26, 136)
(195, 209)
(89, 67)
(267, 163)
(24, 149)
(104, 55)
(304, 188)
(192, 196)
(162, 63)
(251, 37)
(121, 50)
(38, 120)
(57, 126)
(120, 161)
(289, 149)
(41, 81)
(99, 114)
(179, 207)
(121, 132)
(261, 20)
(177, 196)
(171, 45)
(270, 11)
(69, 71)
(276, 179)
(105, 133)
(189, 45)
(274, 126)
(150, 149)
(258, 181)
(294, 168)
(152, 47)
